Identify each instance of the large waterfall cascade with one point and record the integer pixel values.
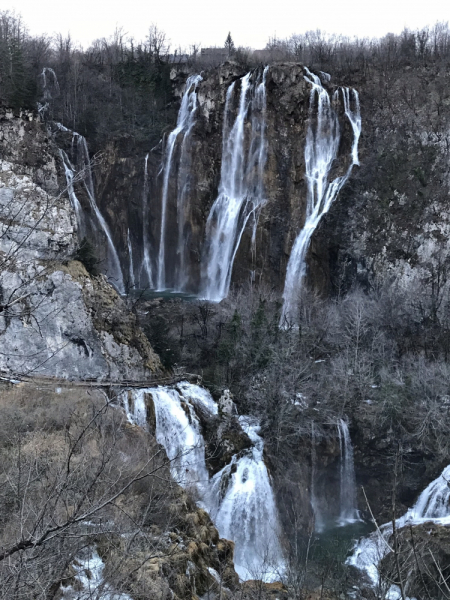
(432, 505)
(348, 511)
(241, 193)
(185, 123)
(239, 498)
(241, 189)
(83, 170)
(321, 152)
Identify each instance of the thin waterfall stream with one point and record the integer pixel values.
(239, 498)
(83, 170)
(146, 266)
(319, 523)
(185, 122)
(131, 282)
(348, 511)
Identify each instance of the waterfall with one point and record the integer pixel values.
(242, 506)
(183, 189)
(432, 505)
(135, 408)
(178, 430)
(50, 89)
(241, 189)
(321, 151)
(49, 93)
(146, 264)
(318, 518)
(185, 122)
(348, 510)
(70, 174)
(131, 283)
(83, 171)
(114, 271)
(239, 498)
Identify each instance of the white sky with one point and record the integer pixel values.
(251, 22)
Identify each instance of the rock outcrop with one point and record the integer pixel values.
(55, 319)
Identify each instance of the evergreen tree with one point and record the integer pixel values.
(229, 44)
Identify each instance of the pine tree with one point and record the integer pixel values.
(229, 44)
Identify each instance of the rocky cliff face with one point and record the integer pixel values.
(390, 219)
(55, 319)
(130, 205)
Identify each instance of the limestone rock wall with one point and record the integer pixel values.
(55, 319)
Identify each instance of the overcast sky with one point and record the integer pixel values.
(251, 22)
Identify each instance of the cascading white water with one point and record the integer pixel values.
(136, 410)
(239, 498)
(84, 171)
(242, 505)
(432, 505)
(178, 430)
(70, 174)
(348, 511)
(146, 262)
(114, 271)
(321, 151)
(241, 188)
(184, 126)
